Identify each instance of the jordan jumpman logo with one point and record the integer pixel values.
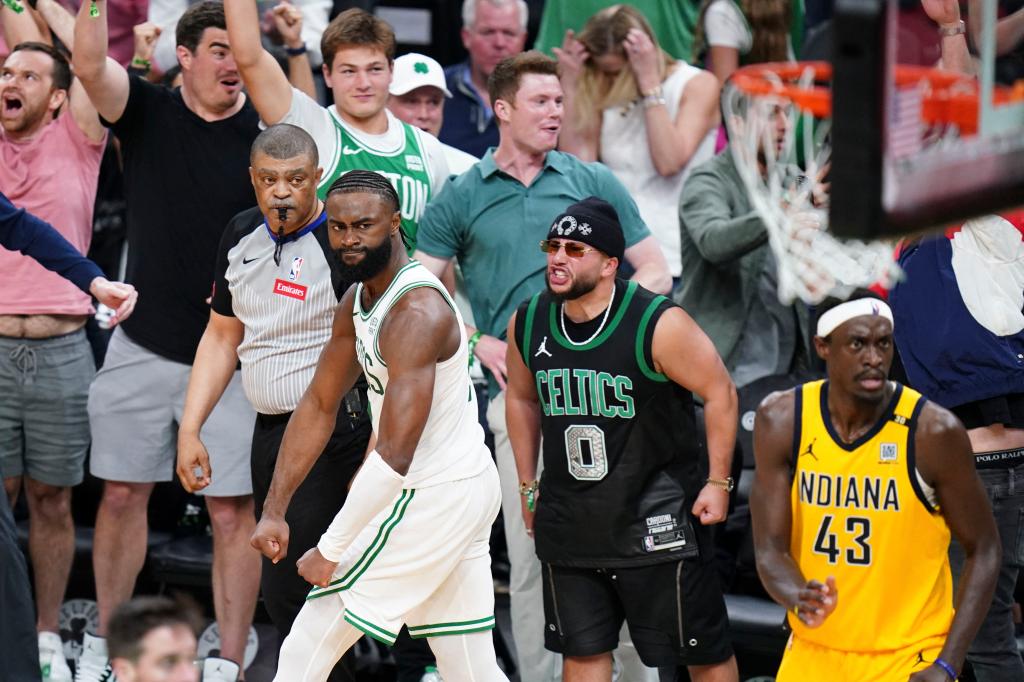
(542, 348)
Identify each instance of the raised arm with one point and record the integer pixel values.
(288, 21)
(60, 21)
(772, 517)
(266, 83)
(683, 352)
(955, 54)
(522, 413)
(582, 143)
(21, 27)
(104, 80)
(670, 142)
(945, 461)
(309, 429)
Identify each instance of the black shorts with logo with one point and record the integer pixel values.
(675, 612)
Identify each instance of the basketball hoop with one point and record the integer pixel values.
(779, 119)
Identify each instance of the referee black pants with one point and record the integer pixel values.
(310, 512)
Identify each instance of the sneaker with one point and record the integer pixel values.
(52, 664)
(430, 674)
(219, 670)
(93, 665)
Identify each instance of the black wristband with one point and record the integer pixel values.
(296, 51)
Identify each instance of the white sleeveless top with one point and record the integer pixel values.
(451, 447)
(625, 151)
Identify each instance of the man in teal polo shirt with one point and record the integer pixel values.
(492, 219)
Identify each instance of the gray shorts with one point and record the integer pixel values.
(44, 428)
(135, 405)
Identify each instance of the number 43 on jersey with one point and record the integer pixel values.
(851, 542)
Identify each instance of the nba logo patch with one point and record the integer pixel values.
(293, 274)
(888, 452)
(413, 162)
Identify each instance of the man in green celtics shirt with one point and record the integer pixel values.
(358, 131)
(604, 372)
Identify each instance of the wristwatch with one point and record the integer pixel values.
(951, 31)
(726, 484)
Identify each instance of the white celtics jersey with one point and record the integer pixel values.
(451, 447)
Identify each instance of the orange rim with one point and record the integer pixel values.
(951, 97)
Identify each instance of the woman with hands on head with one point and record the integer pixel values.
(646, 116)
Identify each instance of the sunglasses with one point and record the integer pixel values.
(571, 250)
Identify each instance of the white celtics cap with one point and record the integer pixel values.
(414, 70)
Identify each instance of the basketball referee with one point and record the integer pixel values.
(275, 293)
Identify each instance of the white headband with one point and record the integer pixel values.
(845, 312)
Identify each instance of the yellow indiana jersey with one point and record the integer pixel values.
(862, 514)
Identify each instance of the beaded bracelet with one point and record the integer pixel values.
(473, 340)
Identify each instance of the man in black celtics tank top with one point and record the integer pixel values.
(603, 370)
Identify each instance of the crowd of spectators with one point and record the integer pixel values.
(153, 107)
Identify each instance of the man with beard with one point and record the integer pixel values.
(275, 292)
(185, 154)
(410, 545)
(51, 143)
(603, 370)
(860, 483)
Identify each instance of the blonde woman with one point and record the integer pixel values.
(646, 116)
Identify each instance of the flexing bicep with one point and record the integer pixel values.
(684, 353)
(415, 335)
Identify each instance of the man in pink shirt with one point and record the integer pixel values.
(50, 147)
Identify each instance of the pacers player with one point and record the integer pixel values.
(410, 545)
(859, 483)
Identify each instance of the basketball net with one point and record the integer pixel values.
(782, 154)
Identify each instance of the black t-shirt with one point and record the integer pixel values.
(184, 178)
(621, 448)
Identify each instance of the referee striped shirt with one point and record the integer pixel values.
(286, 305)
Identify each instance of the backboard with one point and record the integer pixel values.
(887, 177)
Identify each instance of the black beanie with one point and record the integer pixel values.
(592, 221)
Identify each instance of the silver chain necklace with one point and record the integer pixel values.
(593, 336)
